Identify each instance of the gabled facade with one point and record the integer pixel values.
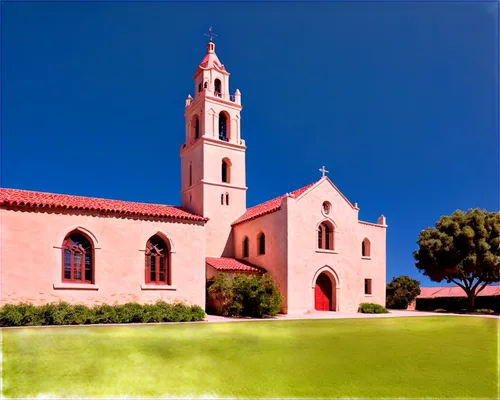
(321, 255)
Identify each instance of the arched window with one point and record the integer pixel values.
(262, 244)
(227, 199)
(365, 248)
(199, 87)
(196, 128)
(223, 131)
(190, 174)
(222, 199)
(225, 170)
(157, 261)
(78, 259)
(245, 248)
(205, 85)
(325, 236)
(217, 89)
(320, 237)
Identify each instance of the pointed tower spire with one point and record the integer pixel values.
(211, 60)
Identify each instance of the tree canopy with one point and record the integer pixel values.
(464, 249)
(401, 291)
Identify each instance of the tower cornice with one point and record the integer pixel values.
(203, 98)
(213, 142)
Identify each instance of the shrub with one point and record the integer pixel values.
(26, 314)
(243, 295)
(19, 315)
(105, 314)
(485, 311)
(222, 297)
(197, 313)
(130, 312)
(372, 308)
(260, 296)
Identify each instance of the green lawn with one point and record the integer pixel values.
(384, 357)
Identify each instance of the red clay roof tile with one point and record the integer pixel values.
(27, 198)
(231, 264)
(269, 206)
(454, 291)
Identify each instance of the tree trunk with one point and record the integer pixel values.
(471, 296)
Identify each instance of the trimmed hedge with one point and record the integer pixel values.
(372, 308)
(457, 304)
(243, 295)
(485, 311)
(26, 314)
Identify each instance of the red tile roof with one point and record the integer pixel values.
(269, 206)
(27, 198)
(231, 264)
(454, 291)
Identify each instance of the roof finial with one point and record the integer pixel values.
(323, 171)
(210, 34)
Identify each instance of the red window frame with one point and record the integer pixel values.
(157, 260)
(77, 259)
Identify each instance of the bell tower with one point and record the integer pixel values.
(213, 180)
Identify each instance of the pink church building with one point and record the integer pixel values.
(89, 250)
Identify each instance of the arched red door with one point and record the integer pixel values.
(323, 293)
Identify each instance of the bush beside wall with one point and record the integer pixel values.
(243, 295)
(26, 314)
(372, 308)
(454, 304)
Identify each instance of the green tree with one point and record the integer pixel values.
(464, 249)
(401, 291)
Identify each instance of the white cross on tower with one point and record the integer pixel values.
(323, 171)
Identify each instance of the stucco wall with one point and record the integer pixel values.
(218, 228)
(374, 267)
(31, 257)
(275, 258)
(344, 263)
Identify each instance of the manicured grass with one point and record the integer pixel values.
(384, 357)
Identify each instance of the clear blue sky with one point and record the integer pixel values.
(398, 100)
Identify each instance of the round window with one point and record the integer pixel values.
(326, 207)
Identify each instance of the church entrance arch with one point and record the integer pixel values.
(325, 293)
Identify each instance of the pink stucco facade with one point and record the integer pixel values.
(314, 245)
(31, 258)
(294, 259)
